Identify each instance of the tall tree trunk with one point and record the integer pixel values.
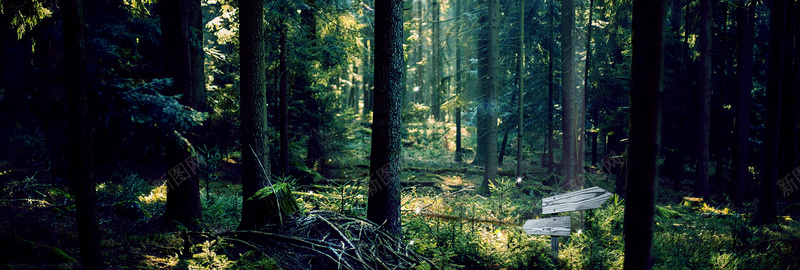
(704, 111)
(81, 171)
(420, 67)
(459, 86)
(683, 143)
(569, 125)
(368, 79)
(587, 87)
(769, 166)
(490, 170)
(436, 89)
(181, 36)
(482, 93)
(550, 86)
(283, 88)
(788, 139)
(744, 68)
(580, 128)
(383, 205)
(314, 149)
(255, 145)
(521, 85)
(647, 73)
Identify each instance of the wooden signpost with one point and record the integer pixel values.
(585, 199)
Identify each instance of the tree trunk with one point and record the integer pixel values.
(420, 67)
(383, 206)
(503, 144)
(459, 86)
(255, 145)
(304, 78)
(368, 79)
(490, 170)
(701, 184)
(521, 85)
(482, 93)
(283, 88)
(569, 125)
(647, 74)
(81, 174)
(550, 86)
(436, 89)
(741, 174)
(180, 37)
(769, 166)
(788, 139)
(587, 87)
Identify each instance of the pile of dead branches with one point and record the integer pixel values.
(327, 240)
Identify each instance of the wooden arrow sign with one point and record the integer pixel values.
(589, 198)
(558, 226)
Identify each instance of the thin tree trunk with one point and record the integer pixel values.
(283, 88)
(81, 171)
(586, 85)
(767, 209)
(569, 125)
(383, 206)
(459, 86)
(741, 174)
(420, 67)
(502, 153)
(647, 74)
(255, 145)
(550, 86)
(521, 85)
(436, 89)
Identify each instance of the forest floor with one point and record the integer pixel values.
(444, 219)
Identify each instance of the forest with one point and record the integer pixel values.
(399, 134)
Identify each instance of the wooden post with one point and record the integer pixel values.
(585, 199)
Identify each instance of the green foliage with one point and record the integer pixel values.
(147, 106)
(253, 260)
(207, 258)
(23, 16)
(458, 239)
(221, 212)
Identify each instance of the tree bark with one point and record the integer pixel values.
(459, 86)
(647, 74)
(490, 170)
(383, 205)
(255, 146)
(769, 166)
(550, 86)
(701, 183)
(283, 88)
(181, 37)
(569, 125)
(521, 85)
(744, 68)
(482, 93)
(436, 89)
(81, 171)
(788, 139)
